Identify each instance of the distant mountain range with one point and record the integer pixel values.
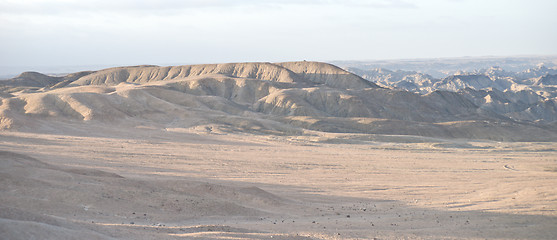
(525, 95)
(443, 67)
(290, 98)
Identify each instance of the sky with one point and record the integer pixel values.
(41, 33)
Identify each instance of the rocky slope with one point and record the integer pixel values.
(278, 98)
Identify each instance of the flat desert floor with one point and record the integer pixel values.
(142, 183)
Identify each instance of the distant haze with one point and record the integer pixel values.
(42, 34)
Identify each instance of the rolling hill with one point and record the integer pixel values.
(276, 98)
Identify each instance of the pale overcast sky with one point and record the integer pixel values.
(128, 32)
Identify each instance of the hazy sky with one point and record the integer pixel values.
(128, 32)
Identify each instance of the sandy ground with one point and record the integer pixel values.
(102, 183)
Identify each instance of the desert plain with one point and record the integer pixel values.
(97, 182)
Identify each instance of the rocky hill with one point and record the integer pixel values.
(277, 98)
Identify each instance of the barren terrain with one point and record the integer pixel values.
(297, 150)
(99, 182)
